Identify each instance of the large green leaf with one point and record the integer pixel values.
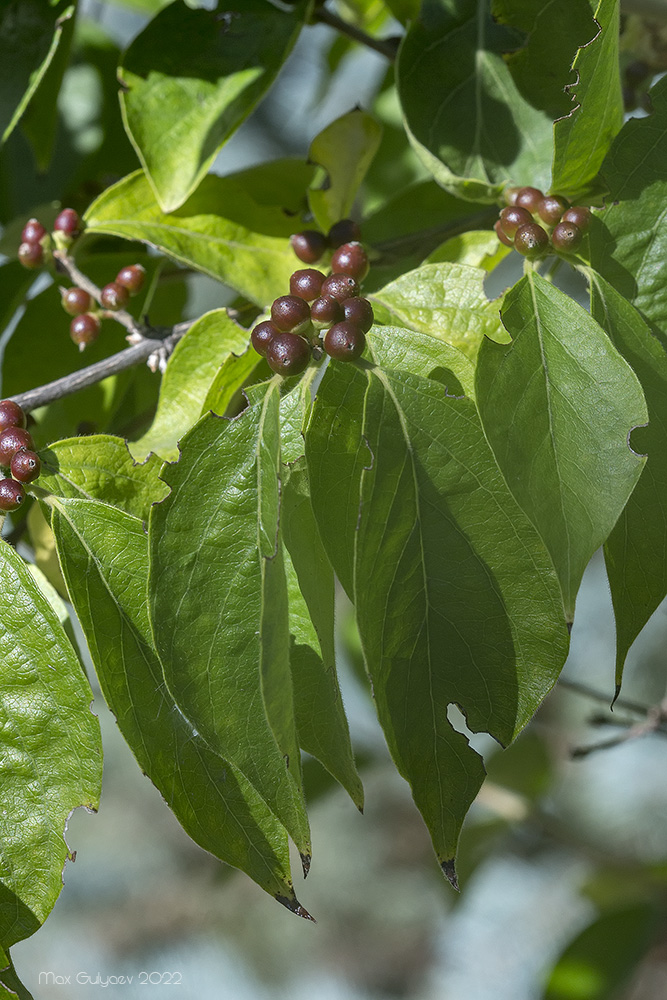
(50, 750)
(219, 606)
(629, 245)
(100, 467)
(104, 556)
(456, 599)
(475, 248)
(558, 405)
(582, 138)
(423, 355)
(218, 231)
(445, 300)
(464, 114)
(344, 150)
(186, 382)
(30, 33)
(191, 77)
(635, 550)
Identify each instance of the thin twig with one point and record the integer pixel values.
(66, 263)
(588, 692)
(386, 47)
(656, 716)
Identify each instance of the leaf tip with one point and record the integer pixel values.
(294, 906)
(617, 691)
(449, 870)
(569, 627)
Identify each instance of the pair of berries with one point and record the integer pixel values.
(517, 227)
(315, 303)
(17, 454)
(35, 239)
(310, 245)
(85, 327)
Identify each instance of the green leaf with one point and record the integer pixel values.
(11, 987)
(475, 248)
(104, 553)
(50, 748)
(456, 599)
(445, 300)
(226, 658)
(100, 467)
(182, 102)
(582, 138)
(629, 245)
(469, 124)
(230, 378)
(257, 262)
(345, 150)
(190, 372)
(30, 33)
(557, 406)
(634, 551)
(405, 350)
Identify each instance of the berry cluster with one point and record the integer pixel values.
(565, 224)
(36, 242)
(85, 327)
(319, 304)
(16, 454)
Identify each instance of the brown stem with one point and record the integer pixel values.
(386, 47)
(66, 263)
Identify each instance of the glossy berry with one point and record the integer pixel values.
(325, 311)
(345, 341)
(306, 284)
(262, 335)
(510, 195)
(25, 466)
(579, 215)
(309, 246)
(14, 439)
(343, 231)
(67, 222)
(531, 240)
(551, 208)
(352, 259)
(33, 231)
(501, 235)
(31, 255)
(290, 313)
(11, 415)
(114, 297)
(566, 237)
(76, 301)
(360, 312)
(340, 287)
(529, 198)
(513, 217)
(132, 278)
(288, 354)
(12, 495)
(84, 329)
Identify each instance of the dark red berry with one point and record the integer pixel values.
(340, 287)
(84, 329)
(579, 215)
(114, 297)
(309, 246)
(288, 354)
(25, 466)
(531, 240)
(513, 217)
(11, 415)
(306, 283)
(343, 231)
(529, 198)
(76, 301)
(551, 208)
(31, 255)
(290, 313)
(345, 341)
(325, 311)
(67, 222)
(566, 237)
(352, 259)
(12, 494)
(360, 312)
(262, 335)
(33, 231)
(510, 195)
(132, 277)
(501, 235)
(13, 439)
